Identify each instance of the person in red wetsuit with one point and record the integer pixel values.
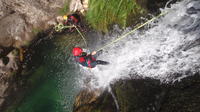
(72, 19)
(87, 60)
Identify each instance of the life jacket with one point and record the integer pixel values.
(86, 60)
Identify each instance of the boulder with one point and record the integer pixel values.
(79, 5)
(18, 19)
(12, 29)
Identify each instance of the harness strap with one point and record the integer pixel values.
(90, 60)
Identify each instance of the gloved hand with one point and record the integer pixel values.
(93, 53)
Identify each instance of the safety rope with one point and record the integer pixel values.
(60, 27)
(123, 36)
(81, 36)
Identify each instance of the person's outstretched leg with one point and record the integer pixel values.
(102, 62)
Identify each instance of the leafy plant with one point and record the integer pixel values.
(104, 13)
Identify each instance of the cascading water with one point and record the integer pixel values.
(168, 49)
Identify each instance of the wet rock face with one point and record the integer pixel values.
(141, 95)
(94, 101)
(183, 96)
(150, 95)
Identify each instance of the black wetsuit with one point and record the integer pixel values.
(89, 60)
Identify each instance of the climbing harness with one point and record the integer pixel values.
(60, 27)
(123, 36)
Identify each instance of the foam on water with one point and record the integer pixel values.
(168, 49)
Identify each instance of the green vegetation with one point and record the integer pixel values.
(104, 13)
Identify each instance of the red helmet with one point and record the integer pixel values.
(77, 51)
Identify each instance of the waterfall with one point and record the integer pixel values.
(167, 49)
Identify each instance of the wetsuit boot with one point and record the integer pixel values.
(102, 62)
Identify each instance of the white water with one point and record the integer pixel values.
(168, 49)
